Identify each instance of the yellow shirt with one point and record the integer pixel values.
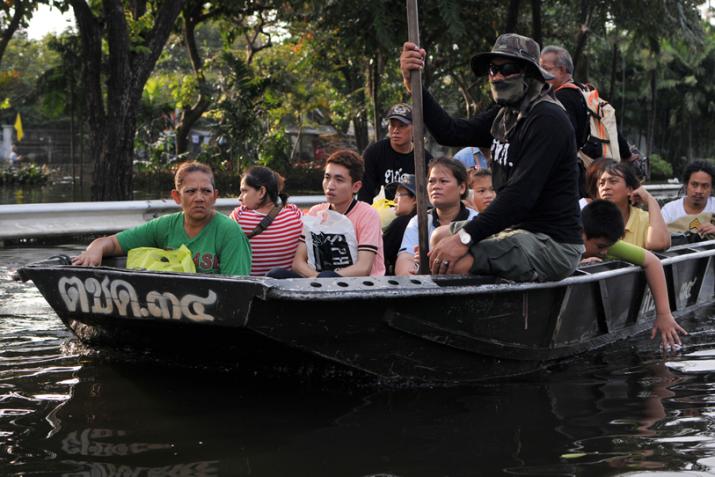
(637, 227)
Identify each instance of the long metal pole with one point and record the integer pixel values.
(418, 139)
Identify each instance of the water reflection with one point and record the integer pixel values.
(62, 192)
(68, 410)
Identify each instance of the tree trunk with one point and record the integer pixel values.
(512, 17)
(375, 74)
(112, 128)
(73, 136)
(690, 140)
(191, 114)
(469, 103)
(581, 38)
(652, 113)
(362, 138)
(623, 95)
(13, 25)
(536, 21)
(614, 66)
(653, 116)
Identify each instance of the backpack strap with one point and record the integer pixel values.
(265, 222)
(569, 85)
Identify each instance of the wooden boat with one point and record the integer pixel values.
(421, 329)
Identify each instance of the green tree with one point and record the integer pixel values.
(15, 14)
(120, 45)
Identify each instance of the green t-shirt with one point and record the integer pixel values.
(627, 252)
(221, 247)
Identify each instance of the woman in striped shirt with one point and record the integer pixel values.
(272, 229)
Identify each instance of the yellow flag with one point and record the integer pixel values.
(18, 128)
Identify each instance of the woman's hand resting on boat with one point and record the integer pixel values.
(101, 247)
(591, 260)
(666, 325)
(88, 259)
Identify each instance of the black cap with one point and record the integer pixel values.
(400, 111)
(407, 181)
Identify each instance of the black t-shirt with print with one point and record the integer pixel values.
(535, 170)
(384, 165)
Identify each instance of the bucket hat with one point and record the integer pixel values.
(511, 45)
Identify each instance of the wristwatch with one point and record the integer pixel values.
(464, 237)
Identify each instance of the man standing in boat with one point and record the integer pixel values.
(390, 159)
(531, 230)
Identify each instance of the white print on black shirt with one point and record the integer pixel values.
(393, 176)
(500, 153)
(331, 251)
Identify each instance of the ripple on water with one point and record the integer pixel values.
(15, 412)
(37, 370)
(655, 473)
(701, 361)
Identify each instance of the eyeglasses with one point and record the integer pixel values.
(506, 69)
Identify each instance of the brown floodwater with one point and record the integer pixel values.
(69, 410)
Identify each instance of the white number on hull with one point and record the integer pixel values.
(119, 297)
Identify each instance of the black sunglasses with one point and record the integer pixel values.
(506, 69)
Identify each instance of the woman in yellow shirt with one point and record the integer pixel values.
(618, 184)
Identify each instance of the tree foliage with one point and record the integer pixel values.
(254, 69)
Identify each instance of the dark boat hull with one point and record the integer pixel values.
(446, 330)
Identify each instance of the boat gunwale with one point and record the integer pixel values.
(332, 289)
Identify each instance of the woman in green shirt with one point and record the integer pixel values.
(217, 244)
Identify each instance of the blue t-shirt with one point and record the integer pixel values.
(469, 155)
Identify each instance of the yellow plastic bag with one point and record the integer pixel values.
(160, 260)
(386, 210)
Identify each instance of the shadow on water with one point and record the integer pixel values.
(68, 410)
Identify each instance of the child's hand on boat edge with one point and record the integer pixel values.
(669, 329)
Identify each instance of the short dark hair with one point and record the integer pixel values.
(593, 174)
(187, 168)
(258, 176)
(602, 219)
(481, 172)
(698, 166)
(350, 160)
(455, 167)
(622, 169)
(476, 173)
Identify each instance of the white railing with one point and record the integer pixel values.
(664, 191)
(80, 218)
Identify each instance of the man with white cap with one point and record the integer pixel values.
(531, 230)
(389, 159)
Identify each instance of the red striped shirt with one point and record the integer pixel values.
(275, 246)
